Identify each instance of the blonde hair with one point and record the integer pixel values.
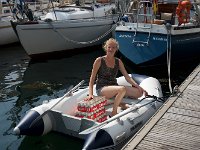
(111, 40)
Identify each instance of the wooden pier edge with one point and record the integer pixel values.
(137, 138)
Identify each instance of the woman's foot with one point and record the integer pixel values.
(113, 113)
(123, 106)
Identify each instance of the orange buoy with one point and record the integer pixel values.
(183, 11)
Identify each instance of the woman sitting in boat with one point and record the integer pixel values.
(106, 69)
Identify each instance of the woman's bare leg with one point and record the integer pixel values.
(133, 92)
(117, 91)
(118, 98)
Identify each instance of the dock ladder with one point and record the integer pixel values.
(146, 7)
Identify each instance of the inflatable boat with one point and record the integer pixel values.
(89, 120)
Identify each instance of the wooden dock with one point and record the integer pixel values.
(176, 126)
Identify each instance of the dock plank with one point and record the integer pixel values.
(149, 145)
(185, 112)
(176, 125)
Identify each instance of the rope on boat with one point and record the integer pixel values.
(159, 99)
(168, 27)
(81, 42)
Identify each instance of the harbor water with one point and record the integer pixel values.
(25, 84)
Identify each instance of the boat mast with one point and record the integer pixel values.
(0, 9)
(94, 1)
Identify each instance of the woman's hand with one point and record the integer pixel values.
(145, 93)
(89, 97)
(139, 88)
(142, 91)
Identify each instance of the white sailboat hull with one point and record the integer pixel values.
(67, 28)
(7, 33)
(63, 35)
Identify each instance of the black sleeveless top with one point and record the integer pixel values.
(106, 75)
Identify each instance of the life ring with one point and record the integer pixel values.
(183, 11)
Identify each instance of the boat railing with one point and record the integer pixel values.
(197, 7)
(83, 7)
(146, 7)
(113, 17)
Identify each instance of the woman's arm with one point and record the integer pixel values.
(125, 74)
(128, 78)
(96, 66)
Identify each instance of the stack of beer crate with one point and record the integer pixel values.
(93, 109)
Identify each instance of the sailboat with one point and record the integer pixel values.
(162, 32)
(7, 33)
(71, 27)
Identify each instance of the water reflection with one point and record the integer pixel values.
(13, 63)
(52, 141)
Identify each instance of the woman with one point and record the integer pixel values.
(105, 68)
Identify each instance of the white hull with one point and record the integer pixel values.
(62, 35)
(61, 116)
(67, 28)
(7, 34)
